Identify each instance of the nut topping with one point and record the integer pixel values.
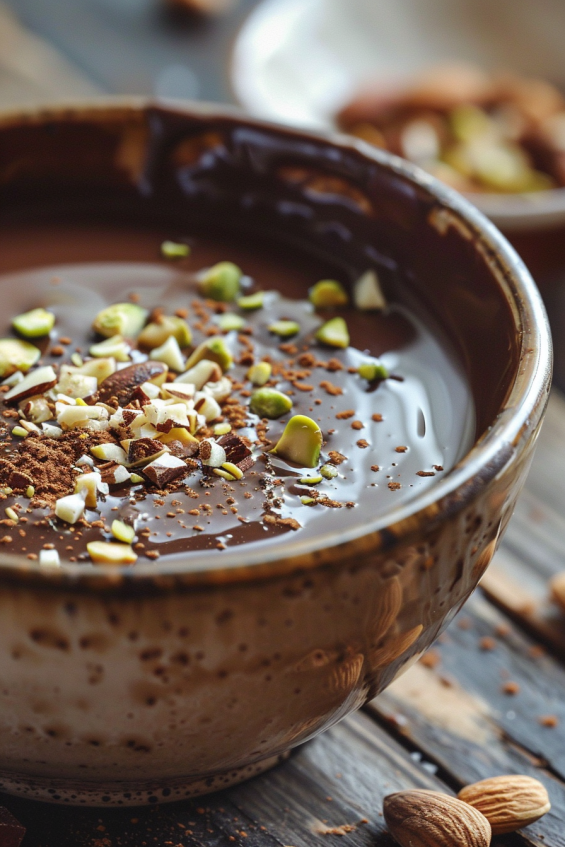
(421, 818)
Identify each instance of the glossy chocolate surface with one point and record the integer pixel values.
(76, 268)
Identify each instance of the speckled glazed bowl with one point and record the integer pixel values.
(161, 681)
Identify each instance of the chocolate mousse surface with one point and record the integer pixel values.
(384, 440)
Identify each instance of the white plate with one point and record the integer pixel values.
(298, 61)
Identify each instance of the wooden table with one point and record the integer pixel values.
(449, 720)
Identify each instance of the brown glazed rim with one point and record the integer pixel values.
(500, 445)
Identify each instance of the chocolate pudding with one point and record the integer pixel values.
(392, 402)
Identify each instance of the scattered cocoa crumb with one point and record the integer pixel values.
(152, 554)
(275, 520)
(464, 623)
(377, 418)
(400, 449)
(303, 386)
(363, 444)
(549, 721)
(502, 630)
(64, 339)
(347, 413)
(394, 486)
(437, 467)
(307, 360)
(510, 688)
(357, 425)
(336, 458)
(375, 468)
(425, 473)
(57, 350)
(330, 388)
(536, 651)
(487, 643)
(334, 365)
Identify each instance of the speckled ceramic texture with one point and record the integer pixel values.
(153, 684)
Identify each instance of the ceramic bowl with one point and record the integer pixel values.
(300, 61)
(160, 681)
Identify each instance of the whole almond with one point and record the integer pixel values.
(508, 802)
(423, 818)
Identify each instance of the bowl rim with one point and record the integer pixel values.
(524, 405)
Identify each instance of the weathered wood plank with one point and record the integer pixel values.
(533, 549)
(338, 779)
(31, 71)
(459, 715)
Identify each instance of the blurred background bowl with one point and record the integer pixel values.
(300, 61)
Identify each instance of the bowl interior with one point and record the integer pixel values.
(362, 207)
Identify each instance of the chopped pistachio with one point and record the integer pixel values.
(177, 433)
(252, 301)
(120, 319)
(77, 360)
(123, 531)
(307, 501)
(229, 321)
(136, 478)
(221, 282)
(170, 354)
(334, 333)
(372, 371)
(236, 472)
(260, 373)
(300, 442)
(115, 347)
(174, 250)
(329, 471)
(215, 350)
(224, 474)
(20, 432)
(111, 553)
(367, 292)
(310, 480)
(34, 324)
(222, 429)
(17, 355)
(11, 514)
(156, 333)
(30, 491)
(270, 403)
(327, 294)
(284, 329)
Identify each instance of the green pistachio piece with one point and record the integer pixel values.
(329, 471)
(300, 442)
(284, 329)
(215, 350)
(334, 333)
(260, 373)
(17, 355)
(120, 319)
(327, 294)
(270, 403)
(307, 501)
(115, 347)
(157, 332)
(310, 480)
(221, 282)
(229, 321)
(174, 250)
(252, 301)
(35, 323)
(372, 371)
